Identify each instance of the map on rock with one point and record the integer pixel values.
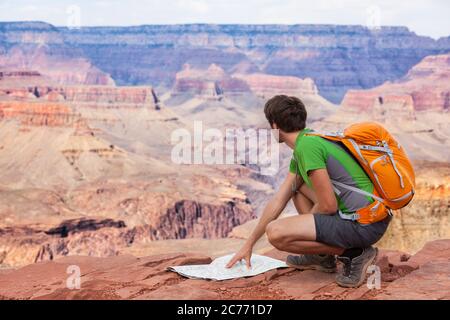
(217, 270)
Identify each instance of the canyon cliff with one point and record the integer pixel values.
(225, 100)
(91, 173)
(414, 108)
(426, 87)
(338, 58)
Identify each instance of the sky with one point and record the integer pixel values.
(425, 17)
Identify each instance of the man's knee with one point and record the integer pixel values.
(275, 234)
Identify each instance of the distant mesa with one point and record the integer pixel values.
(214, 82)
(58, 66)
(266, 86)
(426, 87)
(28, 85)
(338, 57)
(414, 108)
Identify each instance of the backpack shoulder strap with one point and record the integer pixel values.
(357, 190)
(335, 134)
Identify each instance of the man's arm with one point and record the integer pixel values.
(274, 207)
(272, 211)
(323, 188)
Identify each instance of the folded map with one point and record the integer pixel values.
(217, 270)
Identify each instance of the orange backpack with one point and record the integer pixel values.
(386, 164)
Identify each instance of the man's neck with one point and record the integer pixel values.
(290, 138)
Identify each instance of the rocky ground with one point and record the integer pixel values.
(425, 275)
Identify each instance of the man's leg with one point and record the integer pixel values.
(355, 259)
(298, 235)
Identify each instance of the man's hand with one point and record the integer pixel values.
(245, 253)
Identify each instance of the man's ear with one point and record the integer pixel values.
(280, 133)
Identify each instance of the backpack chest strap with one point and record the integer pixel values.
(357, 190)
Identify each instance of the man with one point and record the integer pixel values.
(319, 233)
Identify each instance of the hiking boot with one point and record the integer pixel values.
(354, 271)
(312, 262)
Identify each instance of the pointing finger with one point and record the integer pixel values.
(248, 262)
(232, 262)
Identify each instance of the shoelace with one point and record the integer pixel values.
(304, 258)
(347, 267)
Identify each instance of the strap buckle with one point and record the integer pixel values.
(353, 217)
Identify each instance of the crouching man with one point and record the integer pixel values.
(322, 232)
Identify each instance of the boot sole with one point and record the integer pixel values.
(364, 273)
(312, 267)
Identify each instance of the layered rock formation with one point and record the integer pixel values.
(41, 47)
(18, 75)
(53, 144)
(186, 220)
(210, 83)
(338, 58)
(421, 276)
(38, 114)
(73, 190)
(46, 239)
(427, 217)
(53, 140)
(267, 86)
(62, 65)
(426, 87)
(215, 82)
(224, 100)
(414, 109)
(124, 112)
(31, 85)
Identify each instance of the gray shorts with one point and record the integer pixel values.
(346, 234)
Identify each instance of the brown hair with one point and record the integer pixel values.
(288, 113)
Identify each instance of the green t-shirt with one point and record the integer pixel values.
(314, 152)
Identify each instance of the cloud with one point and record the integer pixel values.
(198, 6)
(28, 8)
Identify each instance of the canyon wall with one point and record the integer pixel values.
(223, 99)
(214, 82)
(209, 83)
(41, 47)
(414, 109)
(102, 237)
(69, 188)
(427, 216)
(426, 87)
(338, 58)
